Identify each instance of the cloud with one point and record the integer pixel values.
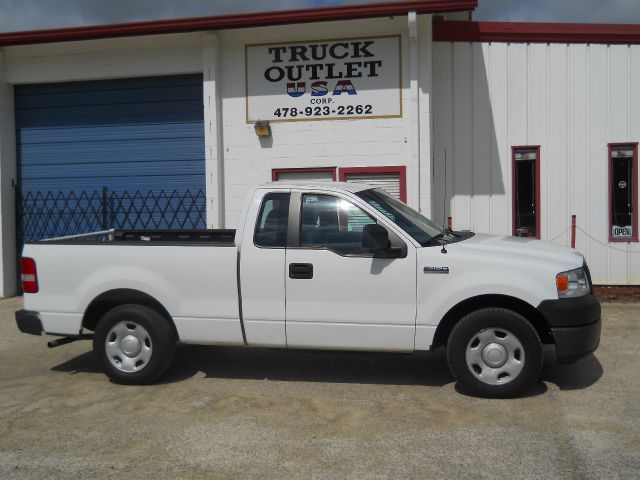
(36, 14)
(578, 11)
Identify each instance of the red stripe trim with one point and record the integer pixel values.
(244, 20)
(457, 31)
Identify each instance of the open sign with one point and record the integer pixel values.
(621, 232)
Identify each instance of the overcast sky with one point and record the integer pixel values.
(35, 14)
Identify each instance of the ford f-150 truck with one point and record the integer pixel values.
(318, 266)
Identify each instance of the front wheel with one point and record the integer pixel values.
(134, 343)
(495, 352)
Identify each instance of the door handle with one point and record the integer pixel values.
(301, 270)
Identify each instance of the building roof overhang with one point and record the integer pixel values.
(457, 31)
(243, 20)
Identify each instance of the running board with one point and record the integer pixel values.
(63, 341)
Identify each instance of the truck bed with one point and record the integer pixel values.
(154, 236)
(192, 274)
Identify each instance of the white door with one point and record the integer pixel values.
(338, 295)
(262, 266)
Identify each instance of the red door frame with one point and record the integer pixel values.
(401, 170)
(634, 173)
(277, 171)
(513, 186)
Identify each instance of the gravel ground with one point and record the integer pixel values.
(259, 413)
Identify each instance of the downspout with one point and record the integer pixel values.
(414, 103)
(213, 135)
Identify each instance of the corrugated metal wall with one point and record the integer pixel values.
(572, 100)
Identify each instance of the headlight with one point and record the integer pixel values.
(572, 284)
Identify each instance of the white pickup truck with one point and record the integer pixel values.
(318, 266)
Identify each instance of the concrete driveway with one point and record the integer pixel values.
(244, 413)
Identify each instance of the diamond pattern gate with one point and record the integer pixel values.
(53, 214)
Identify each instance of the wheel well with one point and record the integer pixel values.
(113, 298)
(487, 301)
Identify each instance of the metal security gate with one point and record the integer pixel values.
(110, 154)
(392, 179)
(55, 214)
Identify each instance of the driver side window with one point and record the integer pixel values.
(332, 223)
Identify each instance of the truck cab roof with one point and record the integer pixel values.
(318, 185)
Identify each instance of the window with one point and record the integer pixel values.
(419, 227)
(526, 191)
(271, 228)
(315, 174)
(333, 223)
(390, 179)
(623, 192)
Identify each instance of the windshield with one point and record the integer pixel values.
(420, 228)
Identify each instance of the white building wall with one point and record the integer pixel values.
(248, 160)
(104, 59)
(8, 277)
(572, 100)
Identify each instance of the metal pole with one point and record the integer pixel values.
(105, 208)
(573, 231)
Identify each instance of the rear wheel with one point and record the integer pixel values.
(134, 343)
(495, 352)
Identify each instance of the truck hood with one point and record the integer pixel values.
(521, 248)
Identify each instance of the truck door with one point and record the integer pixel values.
(338, 295)
(262, 263)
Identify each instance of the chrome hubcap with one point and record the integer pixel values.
(128, 347)
(495, 356)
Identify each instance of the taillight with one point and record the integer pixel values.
(29, 275)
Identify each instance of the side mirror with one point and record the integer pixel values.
(375, 237)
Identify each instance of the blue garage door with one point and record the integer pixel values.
(110, 154)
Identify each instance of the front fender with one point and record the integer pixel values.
(437, 295)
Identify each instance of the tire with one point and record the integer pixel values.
(495, 352)
(134, 343)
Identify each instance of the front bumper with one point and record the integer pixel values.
(29, 322)
(575, 324)
(573, 343)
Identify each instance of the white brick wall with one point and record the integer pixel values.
(8, 275)
(248, 161)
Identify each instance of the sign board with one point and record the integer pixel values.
(622, 232)
(324, 80)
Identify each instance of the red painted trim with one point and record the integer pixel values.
(243, 20)
(459, 31)
(401, 170)
(634, 174)
(277, 171)
(513, 186)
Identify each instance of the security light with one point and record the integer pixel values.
(262, 128)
